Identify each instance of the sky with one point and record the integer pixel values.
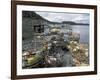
(59, 17)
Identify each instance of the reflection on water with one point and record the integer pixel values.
(84, 32)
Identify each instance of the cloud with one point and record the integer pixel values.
(82, 18)
(59, 17)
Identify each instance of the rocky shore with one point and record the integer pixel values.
(80, 53)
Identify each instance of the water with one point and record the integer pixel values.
(84, 32)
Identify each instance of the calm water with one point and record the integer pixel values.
(84, 32)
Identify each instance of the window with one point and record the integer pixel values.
(39, 28)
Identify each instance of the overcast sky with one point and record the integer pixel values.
(59, 17)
